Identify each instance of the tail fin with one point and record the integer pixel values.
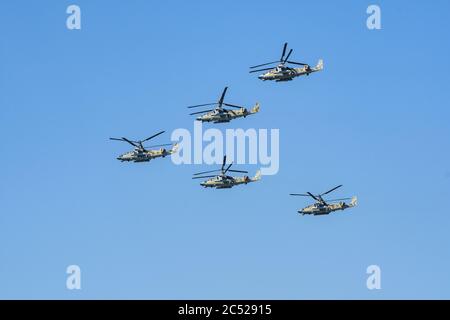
(319, 65)
(354, 202)
(257, 176)
(255, 109)
(174, 148)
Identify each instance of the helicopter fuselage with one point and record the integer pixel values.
(286, 74)
(318, 208)
(143, 156)
(220, 116)
(225, 182)
(225, 115)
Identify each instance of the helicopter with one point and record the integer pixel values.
(324, 207)
(141, 153)
(282, 72)
(224, 181)
(220, 114)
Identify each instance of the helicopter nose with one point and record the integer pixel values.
(261, 77)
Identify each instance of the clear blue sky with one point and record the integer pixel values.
(375, 120)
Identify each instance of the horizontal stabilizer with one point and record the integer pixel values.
(257, 176)
(255, 109)
(354, 202)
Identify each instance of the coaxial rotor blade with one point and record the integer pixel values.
(199, 173)
(131, 142)
(314, 197)
(232, 105)
(223, 163)
(153, 136)
(287, 57)
(228, 168)
(299, 194)
(331, 190)
(264, 64)
(203, 177)
(284, 51)
(159, 145)
(116, 139)
(333, 200)
(222, 96)
(202, 105)
(204, 111)
(299, 63)
(241, 171)
(260, 70)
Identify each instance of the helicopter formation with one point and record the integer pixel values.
(223, 112)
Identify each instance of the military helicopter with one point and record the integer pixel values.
(322, 207)
(224, 181)
(282, 72)
(220, 114)
(141, 153)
